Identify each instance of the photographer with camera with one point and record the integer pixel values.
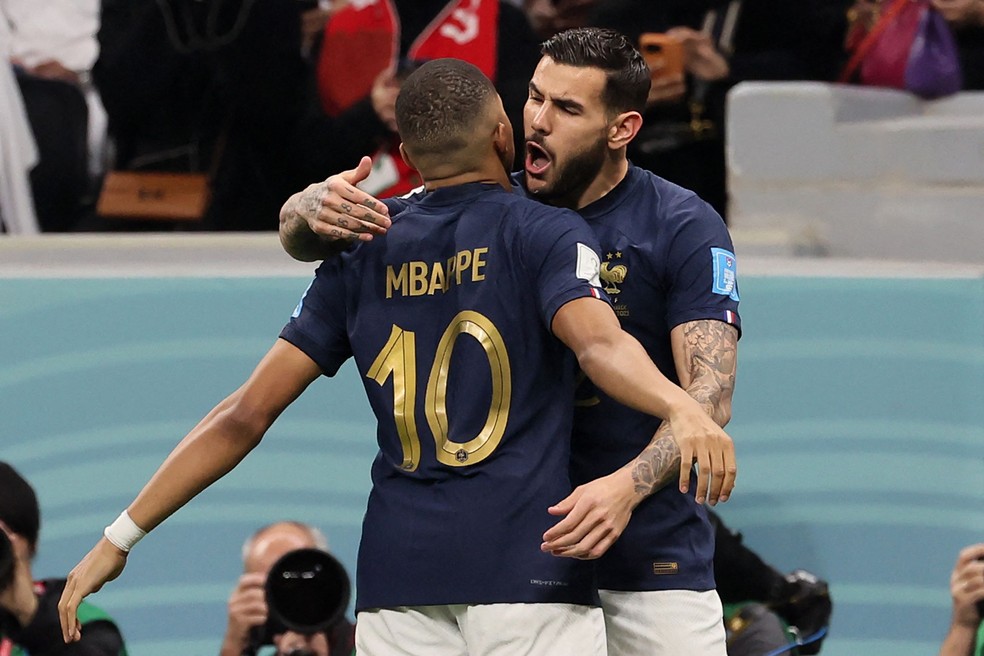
(29, 608)
(967, 590)
(253, 622)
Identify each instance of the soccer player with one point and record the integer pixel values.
(457, 320)
(670, 269)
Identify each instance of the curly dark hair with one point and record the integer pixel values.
(439, 104)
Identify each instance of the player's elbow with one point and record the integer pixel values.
(595, 357)
(243, 421)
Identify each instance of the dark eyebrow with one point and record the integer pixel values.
(569, 105)
(564, 103)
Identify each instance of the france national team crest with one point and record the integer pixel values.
(725, 273)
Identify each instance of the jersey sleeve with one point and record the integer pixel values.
(701, 270)
(561, 252)
(318, 325)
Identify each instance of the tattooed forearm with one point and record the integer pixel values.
(296, 236)
(710, 357)
(705, 352)
(658, 464)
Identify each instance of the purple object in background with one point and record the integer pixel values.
(933, 69)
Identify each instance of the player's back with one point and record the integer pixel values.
(447, 317)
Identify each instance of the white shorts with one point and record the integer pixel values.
(664, 623)
(481, 630)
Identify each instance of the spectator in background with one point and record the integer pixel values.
(967, 590)
(248, 611)
(548, 17)
(965, 17)
(213, 87)
(765, 609)
(369, 47)
(18, 151)
(28, 608)
(723, 43)
(53, 48)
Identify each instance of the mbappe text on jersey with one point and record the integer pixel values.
(417, 278)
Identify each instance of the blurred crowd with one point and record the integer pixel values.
(251, 100)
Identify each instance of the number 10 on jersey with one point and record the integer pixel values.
(398, 358)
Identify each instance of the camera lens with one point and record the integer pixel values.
(307, 591)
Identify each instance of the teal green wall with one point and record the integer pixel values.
(859, 419)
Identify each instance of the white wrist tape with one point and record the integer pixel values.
(123, 532)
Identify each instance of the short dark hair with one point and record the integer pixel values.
(627, 76)
(19, 508)
(439, 104)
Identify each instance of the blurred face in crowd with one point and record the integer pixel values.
(547, 17)
(270, 545)
(267, 549)
(567, 127)
(295, 644)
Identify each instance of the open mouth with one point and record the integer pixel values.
(537, 158)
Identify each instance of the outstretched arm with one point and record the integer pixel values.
(320, 221)
(596, 513)
(214, 447)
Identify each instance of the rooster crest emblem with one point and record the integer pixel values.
(613, 276)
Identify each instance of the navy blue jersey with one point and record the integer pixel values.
(667, 259)
(448, 319)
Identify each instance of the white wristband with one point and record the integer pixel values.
(123, 532)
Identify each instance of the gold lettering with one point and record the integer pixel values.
(396, 281)
(437, 279)
(450, 269)
(418, 278)
(463, 262)
(478, 263)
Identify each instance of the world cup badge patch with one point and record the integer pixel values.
(725, 273)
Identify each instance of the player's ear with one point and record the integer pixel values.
(623, 129)
(406, 157)
(502, 138)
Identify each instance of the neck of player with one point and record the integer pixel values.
(490, 171)
(614, 170)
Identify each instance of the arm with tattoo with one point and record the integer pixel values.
(322, 220)
(297, 238)
(705, 353)
(596, 513)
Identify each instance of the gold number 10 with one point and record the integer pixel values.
(399, 359)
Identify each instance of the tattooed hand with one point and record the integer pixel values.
(332, 210)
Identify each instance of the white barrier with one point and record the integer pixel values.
(819, 169)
